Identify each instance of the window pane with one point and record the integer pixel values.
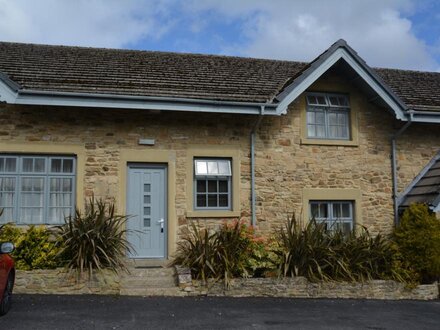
(55, 165)
(311, 99)
(201, 167)
(10, 165)
(342, 119)
(223, 186)
(212, 185)
(7, 184)
(320, 118)
(8, 215)
(320, 131)
(32, 184)
(332, 118)
(67, 185)
(147, 187)
(147, 222)
(55, 184)
(28, 164)
(311, 117)
(147, 199)
(314, 210)
(223, 200)
(224, 167)
(201, 185)
(321, 100)
(323, 210)
(311, 130)
(213, 168)
(346, 210)
(201, 200)
(147, 211)
(334, 100)
(39, 165)
(333, 131)
(212, 200)
(68, 166)
(343, 101)
(337, 210)
(6, 199)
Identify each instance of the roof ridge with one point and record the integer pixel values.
(154, 51)
(405, 70)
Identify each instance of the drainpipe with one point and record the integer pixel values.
(253, 195)
(394, 165)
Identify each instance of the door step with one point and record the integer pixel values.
(147, 263)
(150, 281)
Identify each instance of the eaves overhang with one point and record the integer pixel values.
(425, 116)
(12, 95)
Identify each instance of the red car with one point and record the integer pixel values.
(7, 277)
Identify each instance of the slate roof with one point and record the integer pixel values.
(147, 73)
(426, 187)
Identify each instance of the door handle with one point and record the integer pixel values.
(161, 221)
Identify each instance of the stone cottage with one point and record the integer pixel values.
(171, 137)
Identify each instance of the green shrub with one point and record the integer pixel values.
(417, 239)
(197, 250)
(94, 240)
(318, 254)
(35, 247)
(232, 250)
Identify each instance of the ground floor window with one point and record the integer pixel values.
(212, 184)
(36, 189)
(335, 214)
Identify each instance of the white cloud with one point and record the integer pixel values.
(300, 30)
(96, 23)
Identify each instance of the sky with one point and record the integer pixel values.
(402, 34)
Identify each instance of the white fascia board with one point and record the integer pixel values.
(306, 83)
(6, 93)
(426, 118)
(134, 102)
(327, 64)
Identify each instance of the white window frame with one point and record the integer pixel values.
(326, 106)
(210, 174)
(46, 175)
(331, 220)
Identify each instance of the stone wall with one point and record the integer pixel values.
(300, 287)
(285, 164)
(59, 281)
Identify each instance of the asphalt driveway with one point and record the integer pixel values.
(116, 312)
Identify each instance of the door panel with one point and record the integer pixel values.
(146, 206)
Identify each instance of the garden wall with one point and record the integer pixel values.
(300, 287)
(59, 281)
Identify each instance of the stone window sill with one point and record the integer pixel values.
(212, 214)
(323, 142)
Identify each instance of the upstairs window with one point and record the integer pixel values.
(36, 189)
(328, 116)
(335, 214)
(212, 184)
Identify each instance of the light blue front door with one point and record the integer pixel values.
(146, 206)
